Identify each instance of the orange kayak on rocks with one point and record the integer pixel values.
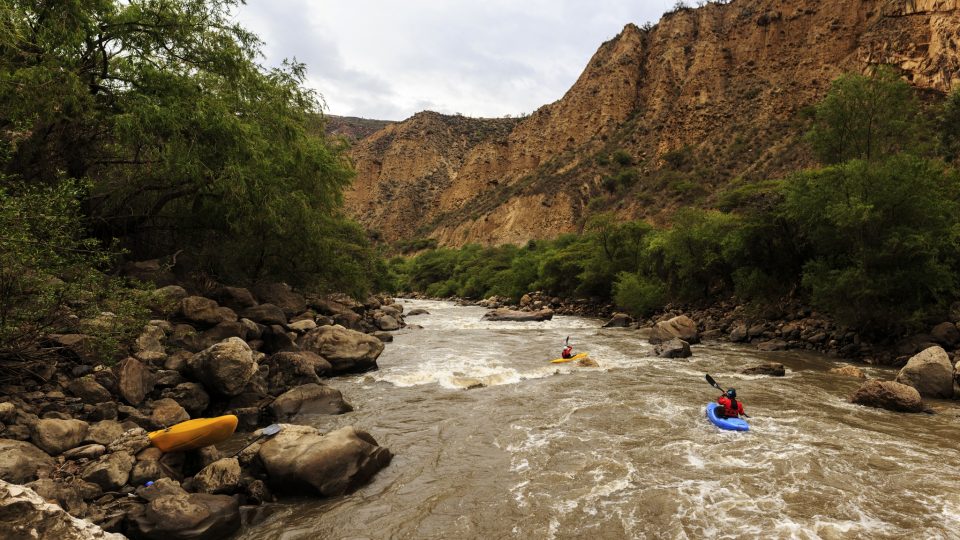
(194, 434)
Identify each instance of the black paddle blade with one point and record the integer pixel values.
(272, 429)
(713, 382)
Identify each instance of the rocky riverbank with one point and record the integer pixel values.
(76, 434)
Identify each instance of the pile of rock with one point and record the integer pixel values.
(928, 374)
(263, 354)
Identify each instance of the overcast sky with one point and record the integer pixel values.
(388, 59)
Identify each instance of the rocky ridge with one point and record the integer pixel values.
(705, 96)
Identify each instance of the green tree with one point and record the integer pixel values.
(949, 126)
(189, 142)
(865, 117)
(881, 238)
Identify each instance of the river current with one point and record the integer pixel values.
(622, 450)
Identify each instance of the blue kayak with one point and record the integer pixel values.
(733, 424)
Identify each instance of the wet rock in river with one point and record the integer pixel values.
(299, 459)
(681, 327)
(348, 351)
(518, 316)
(849, 371)
(674, 348)
(771, 369)
(889, 395)
(309, 399)
(930, 372)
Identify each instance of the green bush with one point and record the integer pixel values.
(51, 279)
(638, 295)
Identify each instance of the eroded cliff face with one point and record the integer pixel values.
(705, 96)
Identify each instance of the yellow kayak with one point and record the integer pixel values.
(571, 359)
(194, 434)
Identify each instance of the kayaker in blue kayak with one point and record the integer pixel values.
(567, 349)
(731, 407)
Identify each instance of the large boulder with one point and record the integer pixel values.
(771, 369)
(226, 367)
(235, 298)
(135, 381)
(221, 476)
(205, 311)
(26, 515)
(111, 471)
(89, 390)
(387, 323)
(290, 369)
(301, 460)
(308, 399)
(174, 514)
(889, 395)
(348, 351)
(674, 348)
(946, 334)
(197, 342)
(148, 347)
(282, 296)
(930, 372)
(266, 314)
(619, 320)
(503, 314)
(20, 461)
(55, 436)
(167, 412)
(680, 327)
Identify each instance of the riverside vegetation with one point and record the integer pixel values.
(870, 238)
(146, 130)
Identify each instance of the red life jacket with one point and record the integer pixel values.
(731, 408)
(567, 352)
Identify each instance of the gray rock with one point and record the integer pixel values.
(265, 314)
(226, 367)
(289, 369)
(212, 336)
(186, 516)
(21, 462)
(518, 316)
(87, 451)
(417, 311)
(104, 432)
(204, 311)
(309, 399)
(148, 347)
(282, 296)
(221, 476)
(888, 395)
(930, 372)
(299, 459)
(27, 515)
(57, 436)
(235, 298)
(132, 441)
(167, 412)
(946, 334)
(347, 351)
(110, 472)
(771, 369)
(89, 390)
(619, 320)
(773, 345)
(680, 327)
(388, 323)
(135, 380)
(674, 348)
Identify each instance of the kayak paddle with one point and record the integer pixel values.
(720, 388)
(268, 431)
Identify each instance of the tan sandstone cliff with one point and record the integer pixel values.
(706, 96)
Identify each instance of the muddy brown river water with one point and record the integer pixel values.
(623, 450)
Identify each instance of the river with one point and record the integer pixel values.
(623, 450)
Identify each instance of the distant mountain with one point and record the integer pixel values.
(660, 118)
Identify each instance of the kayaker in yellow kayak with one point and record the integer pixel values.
(567, 349)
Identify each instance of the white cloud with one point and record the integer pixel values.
(390, 59)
